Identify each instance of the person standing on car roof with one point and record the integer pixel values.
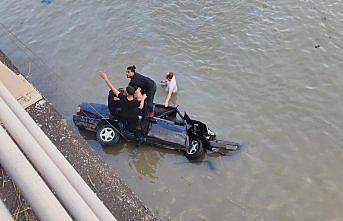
(130, 107)
(147, 85)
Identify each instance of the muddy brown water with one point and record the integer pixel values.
(266, 73)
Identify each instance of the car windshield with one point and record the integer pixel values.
(178, 117)
(167, 113)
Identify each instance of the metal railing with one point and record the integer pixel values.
(75, 195)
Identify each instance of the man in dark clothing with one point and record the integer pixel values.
(147, 85)
(113, 103)
(130, 107)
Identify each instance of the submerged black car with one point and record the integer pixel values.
(168, 128)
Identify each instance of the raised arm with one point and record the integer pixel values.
(103, 75)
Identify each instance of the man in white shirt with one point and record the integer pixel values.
(171, 88)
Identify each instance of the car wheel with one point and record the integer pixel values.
(195, 150)
(107, 135)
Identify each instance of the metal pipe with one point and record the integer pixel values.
(69, 172)
(4, 213)
(48, 170)
(41, 199)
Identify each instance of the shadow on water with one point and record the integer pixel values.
(115, 149)
(208, 163)
(87, 135)
(144, 160)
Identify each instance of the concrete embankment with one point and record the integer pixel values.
(115, 194)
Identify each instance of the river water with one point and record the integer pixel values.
(266, 73)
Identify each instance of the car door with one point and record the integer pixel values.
(166, 132)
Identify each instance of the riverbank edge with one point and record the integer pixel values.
(109, 187)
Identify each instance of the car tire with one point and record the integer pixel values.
(196, 150)
(107, 135)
